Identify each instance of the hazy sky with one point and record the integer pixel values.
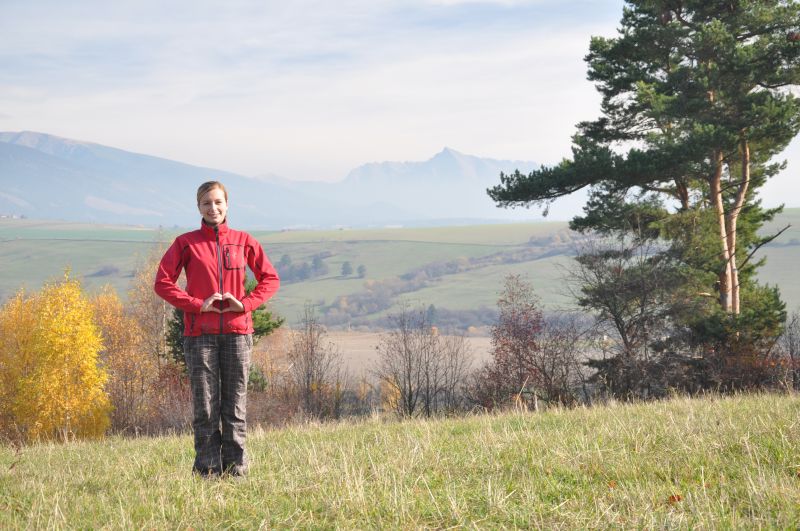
(309, 89)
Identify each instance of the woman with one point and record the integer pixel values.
(218, 327)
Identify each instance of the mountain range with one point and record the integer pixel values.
(48, 177)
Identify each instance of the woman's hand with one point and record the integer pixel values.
(234, 304)
(208, 304)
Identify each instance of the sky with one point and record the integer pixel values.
(310, 89)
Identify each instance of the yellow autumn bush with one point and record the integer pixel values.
(51, 381)
(132, 371)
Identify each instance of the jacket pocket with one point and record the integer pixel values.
(236, 322)
(233, 256)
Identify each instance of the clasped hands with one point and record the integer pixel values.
(234, 304)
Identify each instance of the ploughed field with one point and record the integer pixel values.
(359, 350)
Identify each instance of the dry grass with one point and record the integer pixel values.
(704, 463)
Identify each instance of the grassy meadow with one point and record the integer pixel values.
(713, 463)
(32, 252)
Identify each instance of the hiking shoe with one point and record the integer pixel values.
(206, 473)
(236, 471)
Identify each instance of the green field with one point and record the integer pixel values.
(502, 234)
(35, 251)
(21, 229)
(471, 289)
(711, 463)
(32, 252)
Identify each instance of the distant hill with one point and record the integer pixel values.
(55, 178)
(449, 186)
(49, 177)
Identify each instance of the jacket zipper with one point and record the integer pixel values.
(219, 268)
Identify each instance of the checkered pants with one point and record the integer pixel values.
(218, 368)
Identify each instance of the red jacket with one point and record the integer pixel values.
(215, 260)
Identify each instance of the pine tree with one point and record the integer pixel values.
(264, 323)
(700, 89)
(175, 337)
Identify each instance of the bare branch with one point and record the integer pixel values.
(762, 244)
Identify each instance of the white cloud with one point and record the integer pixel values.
(308, 90)
(304, 89)
(14, 199)
(488, 2)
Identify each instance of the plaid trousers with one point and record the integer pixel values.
(218, 369)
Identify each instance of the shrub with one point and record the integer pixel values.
(52, 382)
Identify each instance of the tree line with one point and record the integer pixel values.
(290, 271)
(76, 365)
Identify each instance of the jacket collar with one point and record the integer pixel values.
(209, 231)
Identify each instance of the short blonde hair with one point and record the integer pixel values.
(207, 187)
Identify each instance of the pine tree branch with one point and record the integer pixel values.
(683, 21)
(772, 86)
(762, 244)
(669, 191)
(763, 31)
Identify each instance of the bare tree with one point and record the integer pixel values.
(423, 369)
(456, 366)
(558, 362)
(515, 337)
(400, 358)
(533, 358)
(432, 363)
(151, 312)
(637, 292)
(789, 344)
(315, 368)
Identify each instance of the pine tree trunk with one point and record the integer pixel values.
(729, 297)
(725, 275)
(733, 218)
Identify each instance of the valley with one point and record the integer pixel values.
(458, 269)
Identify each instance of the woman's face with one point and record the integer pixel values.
(213, 207)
